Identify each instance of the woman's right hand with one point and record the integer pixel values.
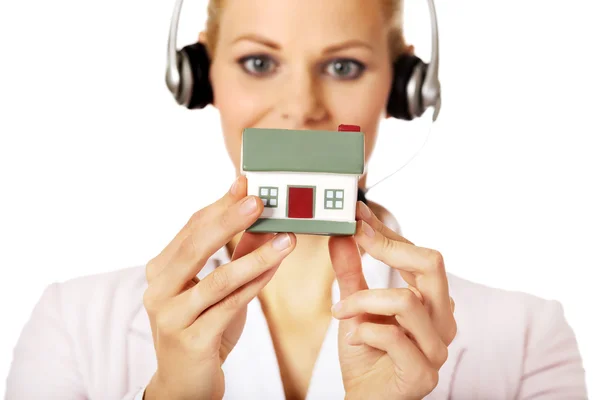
(196, 323)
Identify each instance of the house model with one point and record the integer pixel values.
(307, 179)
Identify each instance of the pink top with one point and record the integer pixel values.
(90, 338)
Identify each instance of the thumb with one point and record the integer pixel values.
(249, 242)
(347, 265)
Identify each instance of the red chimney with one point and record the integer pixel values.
(348, 128)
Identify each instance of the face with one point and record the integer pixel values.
(301, 64)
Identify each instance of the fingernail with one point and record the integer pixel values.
(336, 307)
(367, 229)
(350, 336)
(281, 242)
(363, 210)
(248, 206)
(234, 186)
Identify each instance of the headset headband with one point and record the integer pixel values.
(426, 89)
(431, 86)
(173, 77)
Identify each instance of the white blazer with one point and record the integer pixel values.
(90, 338)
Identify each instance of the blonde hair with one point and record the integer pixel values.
(392, 9)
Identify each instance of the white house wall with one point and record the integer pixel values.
(321, 181)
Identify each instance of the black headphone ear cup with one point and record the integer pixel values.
(200, 90)
(402, 97)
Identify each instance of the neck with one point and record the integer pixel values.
(300, 291)
(302, 285)
(301, 288)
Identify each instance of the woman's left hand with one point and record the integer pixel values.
(392, 342)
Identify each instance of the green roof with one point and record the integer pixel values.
(288, 150)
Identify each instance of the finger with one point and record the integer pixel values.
(347, 265)
(428, 268)
(229, 278)
(390, 339)
(236, 192)
(408, 310)
(388, 301)
(425, 264)
(217, 318)
(249, 242)
(205, 238)
(364, 213)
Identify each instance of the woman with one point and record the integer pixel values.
(222, 313)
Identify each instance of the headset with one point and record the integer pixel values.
(415, 86)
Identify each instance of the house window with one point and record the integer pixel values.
(268, 195)
(334, 199)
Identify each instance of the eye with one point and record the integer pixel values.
(345, 69)
(257, 65)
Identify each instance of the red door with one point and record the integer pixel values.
(300, 202)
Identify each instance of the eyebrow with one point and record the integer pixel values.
(330, 49)
(259, 39)
(346, 45)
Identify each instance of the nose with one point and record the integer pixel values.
(301, 102)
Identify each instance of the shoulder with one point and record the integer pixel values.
(121, 282)
(503, 317)
(502, 310)
(81, 325)
(87, 302)
(116, 286)
(516, 337)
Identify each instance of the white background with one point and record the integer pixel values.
(99, 167)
